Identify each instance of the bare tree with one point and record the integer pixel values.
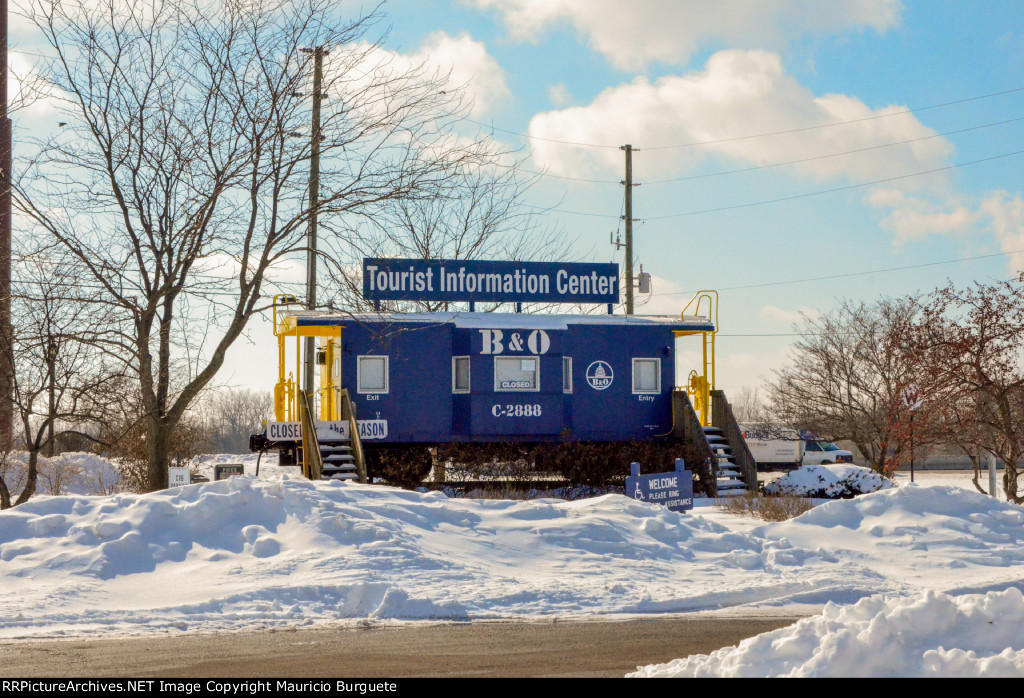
(64, 376)
(231, 415)
(750, 407)
(178, 184)
(970, 342)
(848, 379)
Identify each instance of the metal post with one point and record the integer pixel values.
(992, 487)
(911, 445)
(314, 204)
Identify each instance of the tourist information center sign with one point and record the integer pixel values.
(482, 281)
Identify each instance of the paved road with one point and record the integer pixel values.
(471, 649)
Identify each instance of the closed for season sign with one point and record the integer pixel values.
(369, 429)
(373, 428)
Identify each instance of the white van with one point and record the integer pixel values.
(820, 452)
(775, 446)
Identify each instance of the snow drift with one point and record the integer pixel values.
(74, 472)
(829, 482)
(930, 634)
(244, 554)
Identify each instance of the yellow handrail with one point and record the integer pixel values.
(701, 385)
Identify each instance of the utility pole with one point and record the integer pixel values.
(628, 183)
(314, 205)
(6, 155)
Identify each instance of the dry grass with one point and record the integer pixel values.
(777, 508)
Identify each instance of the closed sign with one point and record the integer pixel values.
(284, 431)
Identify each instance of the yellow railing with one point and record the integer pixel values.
(286, 390)
(700, 383)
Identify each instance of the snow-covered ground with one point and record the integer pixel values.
(281, 551)
(928, 634)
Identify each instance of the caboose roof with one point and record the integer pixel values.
(504, 320)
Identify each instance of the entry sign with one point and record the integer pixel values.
(673, 490)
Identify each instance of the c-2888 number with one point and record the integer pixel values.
(516, 410)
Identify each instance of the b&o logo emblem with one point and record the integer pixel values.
(600, 375)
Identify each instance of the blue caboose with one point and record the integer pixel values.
(409, 388)
(480, 377)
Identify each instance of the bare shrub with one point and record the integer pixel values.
(775, 508)
(56, 475)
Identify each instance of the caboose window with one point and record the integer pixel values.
(566, 374)
(460, 374)
(646, 376)
(372, 374)
(513, 374)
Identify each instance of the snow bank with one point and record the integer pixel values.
(943, 538)
(66, 473)
(829, 482)
(244, 554)
(930, 634)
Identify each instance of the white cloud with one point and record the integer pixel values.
(1006, 214)
(998, 213)
(739, 93)
(559, 95)
(789, 317)
(470, 66)
(30, 98)
(464, 60)
(632, 34)
(914, 218)
(752, 366)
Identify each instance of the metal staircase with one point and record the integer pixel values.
(729, 478)
(336, 453)
(737, 470)
(337, 457)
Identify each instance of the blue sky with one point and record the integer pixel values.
(836, 77)
(663, 73)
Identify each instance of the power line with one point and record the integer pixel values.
(788, 198)
(574, 179)
(756, 135)
(198, 274)
(492, 127)
(838, 123)
(49, 283)
(834, 155)
(834, 189)
(771, 165)
(831, 277)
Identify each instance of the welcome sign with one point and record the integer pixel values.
(673, 490)
(486, 281)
